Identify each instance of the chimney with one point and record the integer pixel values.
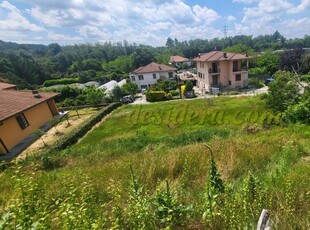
(225, 55)
(199, 55)
(36, 94)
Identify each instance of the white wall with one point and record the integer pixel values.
(148, 78)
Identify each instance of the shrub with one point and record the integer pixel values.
(189, 86)
(61, 81)
(299, 112)
(305, 77)
(80, 131)
(282, 92)
(158, 96)
(164, 85)
(175, 92)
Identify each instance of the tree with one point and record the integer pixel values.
(142, 57)
(129, 88)
(169, 42)
(282, 92)
(94, 96)
(87, 75)
(291, 60)
(117, 93)
(267, 63)
(54, 49)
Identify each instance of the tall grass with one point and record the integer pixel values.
(168, 186)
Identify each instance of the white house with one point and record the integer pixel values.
(148, 75)
(178, 61)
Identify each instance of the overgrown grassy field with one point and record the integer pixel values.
(148, 167)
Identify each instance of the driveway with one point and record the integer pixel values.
(140, 100)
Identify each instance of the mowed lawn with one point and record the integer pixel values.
(166, 141)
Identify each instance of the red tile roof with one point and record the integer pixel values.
(219, 56)
(13, 102)
(177, 59)
(6, 86)
(154, 67)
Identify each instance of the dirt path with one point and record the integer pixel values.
(56, 133)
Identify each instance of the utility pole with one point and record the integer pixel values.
(225, 31)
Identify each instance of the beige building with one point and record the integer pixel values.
(222, 70)
(21, 113)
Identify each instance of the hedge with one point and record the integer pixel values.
(73, 136)
(158, 96)
(61, 81)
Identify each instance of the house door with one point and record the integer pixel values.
(215, 80)
(3, 148)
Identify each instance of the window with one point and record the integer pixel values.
(133, 78)
(170, 75)
(140, 77)
(154, 75)
(143, 86)
(238, 77)
(22, 121)
(236, 66)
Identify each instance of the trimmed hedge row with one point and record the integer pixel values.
(74, 135)
(61, 81)
(157, 96)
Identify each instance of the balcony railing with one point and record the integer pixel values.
(242, 69)
(214, 70)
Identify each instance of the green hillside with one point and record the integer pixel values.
(148, 167)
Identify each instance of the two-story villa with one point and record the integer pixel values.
(148, 75)
(222, 70)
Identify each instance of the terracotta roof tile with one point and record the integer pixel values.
(13, 102)
(219, 55)
(154, 67)
(6, 86)
(177, 59)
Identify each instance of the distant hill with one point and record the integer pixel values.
(33, 48)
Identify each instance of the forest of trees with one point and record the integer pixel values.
(29, 65)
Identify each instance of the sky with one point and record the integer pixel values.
(148, 22)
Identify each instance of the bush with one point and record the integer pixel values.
(189, 86)
(164, 85)
(80, 131)
(158, 96)
(61, 81)
(175, 92)
(282, 92)
(305, 77)
(299, 112)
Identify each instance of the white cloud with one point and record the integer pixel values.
(55, 37)
(205, 14)
(15, 20)
(231, 18)
(299, 26)
(271, 6)
(246, 1)
(304, 5)
(147, 21)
